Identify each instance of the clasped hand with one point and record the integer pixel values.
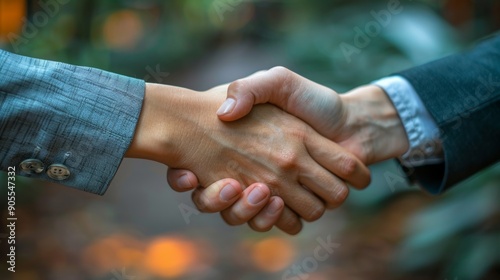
(264, 166)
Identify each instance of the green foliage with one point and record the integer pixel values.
(461, 230)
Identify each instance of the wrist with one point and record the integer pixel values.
(375, 124)
(159, 128)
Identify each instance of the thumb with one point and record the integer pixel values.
(181, 180)
(218, 196)
(270, 86)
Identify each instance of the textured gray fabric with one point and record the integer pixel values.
(81, 117)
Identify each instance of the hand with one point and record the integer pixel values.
(261, 215)
(363, 121)
(178, 128)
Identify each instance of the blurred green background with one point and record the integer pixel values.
(141, 229)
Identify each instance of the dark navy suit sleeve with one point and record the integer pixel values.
(462, 93)
(59, 114)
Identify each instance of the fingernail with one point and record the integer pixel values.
(256, 195)
(183, 182)
(274, 207)
(228, 192)
(226, 107)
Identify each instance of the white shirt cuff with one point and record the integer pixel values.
(421, 129)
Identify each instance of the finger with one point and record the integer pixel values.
(181, 180)
(338, 161)
(268, 216)
(299, 199)
(332, 190)
(261, 87)
(289, 222)
(218, 196)
(253, 199)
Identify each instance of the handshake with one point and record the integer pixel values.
(286, 159)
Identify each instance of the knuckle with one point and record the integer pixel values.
(229, 221)
(338, 196)
(348, 165)
(281, 71)
(287, 221)
(260, 226)
(342, 194)
(239, 217)
(288, 161)
(290, 224)
(232, 218)
(200, 206)
(336, 193)
(236, 86)
(299, 131)
(314, 213)
(295, 229)
(202, 203)
(260, 72)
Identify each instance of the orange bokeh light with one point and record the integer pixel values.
(12, 13)
(122, 30)
(113, 252)
(170, 257)
(272, 254)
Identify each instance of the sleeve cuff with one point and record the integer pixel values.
(73, 123)
(421, 130)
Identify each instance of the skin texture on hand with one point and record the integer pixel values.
(178, 127)
(315, 104)
(363, 121)
(360, 120)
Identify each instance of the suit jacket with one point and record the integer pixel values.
(80, 117)
(462, 94)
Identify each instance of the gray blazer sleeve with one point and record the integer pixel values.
(80, 118)
(462, 93)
